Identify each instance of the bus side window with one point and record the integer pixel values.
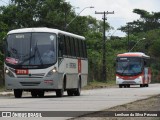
(80, 48)
(84, 49)
(146, 62)
(77, 48)
(73, 46)
(67, 39)
(61, 45)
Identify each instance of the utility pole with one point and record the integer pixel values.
(104, 75)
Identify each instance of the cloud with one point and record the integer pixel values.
(123, 9)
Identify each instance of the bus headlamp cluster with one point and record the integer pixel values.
(50, 73)
(140, 77)
(9, 73)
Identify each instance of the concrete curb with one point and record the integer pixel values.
(6, 93)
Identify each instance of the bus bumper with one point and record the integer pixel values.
(53, 82)
(136, 81)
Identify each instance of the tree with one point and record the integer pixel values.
(148, 21)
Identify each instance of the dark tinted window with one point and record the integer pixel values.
(72, 46)
(80, 48)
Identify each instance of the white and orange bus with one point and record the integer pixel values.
(132, 68)
(45, 59)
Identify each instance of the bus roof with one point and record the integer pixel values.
(44, 29)
(133, 54)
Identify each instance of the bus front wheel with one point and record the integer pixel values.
(17, 93)
(120, 86)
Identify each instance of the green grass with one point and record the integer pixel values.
(2, 88)
(97, 84)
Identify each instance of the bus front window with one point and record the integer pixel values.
(129, 66)
(28, 49)
(43, 48)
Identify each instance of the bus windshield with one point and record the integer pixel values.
(129, 66)
(31, 49)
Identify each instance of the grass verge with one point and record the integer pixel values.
(98, 84)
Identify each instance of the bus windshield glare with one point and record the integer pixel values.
(28, 49)
(129, 66)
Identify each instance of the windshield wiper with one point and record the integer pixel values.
(125, 67)
(33, 56)
(25, 60)
(39, 55)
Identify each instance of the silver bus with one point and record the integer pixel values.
(44, 59)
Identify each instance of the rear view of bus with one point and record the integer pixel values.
(133, 69)
(37, 60)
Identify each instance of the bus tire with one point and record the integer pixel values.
(17, 93)
(147, 85)
(34, 94)
(78, 90)
(120, 86)
(70, 92)
(141, 85)
(60, 92)
(128, 86)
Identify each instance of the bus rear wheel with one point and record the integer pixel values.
(146, 85)
(70, 92)
(17, 93)
(142, 85)
(78, 90)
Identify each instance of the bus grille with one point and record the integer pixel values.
(30, 83)
(129, 82)
(40, 75)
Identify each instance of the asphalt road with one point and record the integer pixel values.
(90, 100)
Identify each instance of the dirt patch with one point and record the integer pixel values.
(149, 104)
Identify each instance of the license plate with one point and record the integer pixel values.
(22, 72)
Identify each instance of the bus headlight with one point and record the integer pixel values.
(117, 78)
(140, 77)
(50, 73)
(6, 71)
(9, 73)
(54, 70)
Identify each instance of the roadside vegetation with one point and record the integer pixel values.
(58, 13)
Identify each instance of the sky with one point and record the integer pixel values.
(122, 10)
